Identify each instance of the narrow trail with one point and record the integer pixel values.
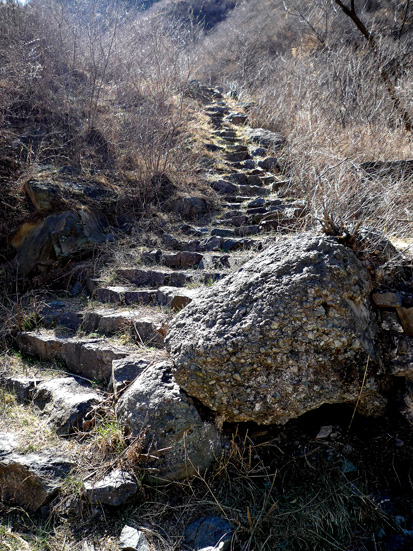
(128, 318)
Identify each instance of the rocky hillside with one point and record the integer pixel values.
(207, 307)
(272, 325)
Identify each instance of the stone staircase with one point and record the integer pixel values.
(141, 299)
(107, 339)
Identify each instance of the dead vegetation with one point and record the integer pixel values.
(101, 91)
(314, 77)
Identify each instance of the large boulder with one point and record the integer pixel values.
(155, 403)
(289, 331)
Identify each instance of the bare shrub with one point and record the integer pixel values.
(99, 86)
(334, 120)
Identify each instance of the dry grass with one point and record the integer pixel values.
(282, 490)
(31, 428)
(100, 90)
(311, 77)
(279, 488)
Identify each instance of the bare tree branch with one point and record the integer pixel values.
(351, 13)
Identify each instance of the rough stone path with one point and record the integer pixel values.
(108, 340)
(246, 177)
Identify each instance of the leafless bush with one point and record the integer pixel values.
(102, 86)
(334, 119)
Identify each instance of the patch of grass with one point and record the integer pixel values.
(108, 437)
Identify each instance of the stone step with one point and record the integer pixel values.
(60, 313)
(155, 278)
(237, 198)
(223, 187)
(239, 119)
(267, 179)
(239, 178)
(269, 163)
(270, 203)
(90, 358)
(176, 297)
(236, 221)
(244, 166)
(209, 244)
(239, 148)
(204, 245)
(254, 191)
(126, 370)
(236, 156)
(255, 180)
(230, 228)
(230, 206)
(244, 231)
(192, 230)
(214, 114)
(240, 244)
(233, 191)
(223, 232)
(181, 259)
(256, 203)
(121, 294)
(226, 134)
(141, 324)
(212, 147)
(66, 401)
(145, 326)
(256, 218)
(231, 213)
(256, 171)
(216, 109)
(259, 151)
(257, 210)
(230, 139)
(216, 122)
